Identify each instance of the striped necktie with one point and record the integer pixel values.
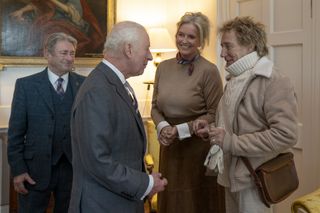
(59, 88)
(131, 95)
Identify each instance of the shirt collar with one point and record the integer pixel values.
(115, 70)
(54, 77)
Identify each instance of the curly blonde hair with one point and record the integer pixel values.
(201, 22)
(248, 32)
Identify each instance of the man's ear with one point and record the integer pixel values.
(128, 50)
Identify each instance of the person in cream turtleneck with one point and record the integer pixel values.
(257, 114)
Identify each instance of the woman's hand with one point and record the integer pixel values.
(201, 129)
(167, 135)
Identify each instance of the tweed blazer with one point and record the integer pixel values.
(31, 127)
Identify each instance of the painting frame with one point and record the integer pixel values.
(26, 61)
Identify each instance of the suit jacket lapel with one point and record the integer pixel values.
(124, 95)
(43, 85)
(113, 79)
(140, 122)
(74, 82)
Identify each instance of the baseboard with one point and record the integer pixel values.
(4, 209)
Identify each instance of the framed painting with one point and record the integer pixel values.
(24, 25)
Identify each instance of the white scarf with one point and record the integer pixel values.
(240, 73)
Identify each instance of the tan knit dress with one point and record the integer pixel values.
(178, 98)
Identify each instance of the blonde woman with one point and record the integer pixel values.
(187, 88)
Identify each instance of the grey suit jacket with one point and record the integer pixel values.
(31, 127)
(108, 144)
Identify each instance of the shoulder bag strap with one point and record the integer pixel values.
(252, 172)
(256, 179)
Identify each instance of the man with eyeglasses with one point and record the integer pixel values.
(39, 142)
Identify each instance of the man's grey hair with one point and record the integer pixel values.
(121, 33)
(54, 38)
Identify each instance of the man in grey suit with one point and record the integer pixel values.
(108, 138)
(39, 148)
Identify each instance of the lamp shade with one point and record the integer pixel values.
(160, 40)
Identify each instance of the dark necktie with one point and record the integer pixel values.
(60, 89)
(131, 95)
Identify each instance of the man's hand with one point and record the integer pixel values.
(216, 135)
(201, 129)
(158, 184)
(18, 183)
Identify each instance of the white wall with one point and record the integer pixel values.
(166, 13)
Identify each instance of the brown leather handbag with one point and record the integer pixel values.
(275, 179)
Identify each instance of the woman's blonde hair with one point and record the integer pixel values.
(201, 22)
